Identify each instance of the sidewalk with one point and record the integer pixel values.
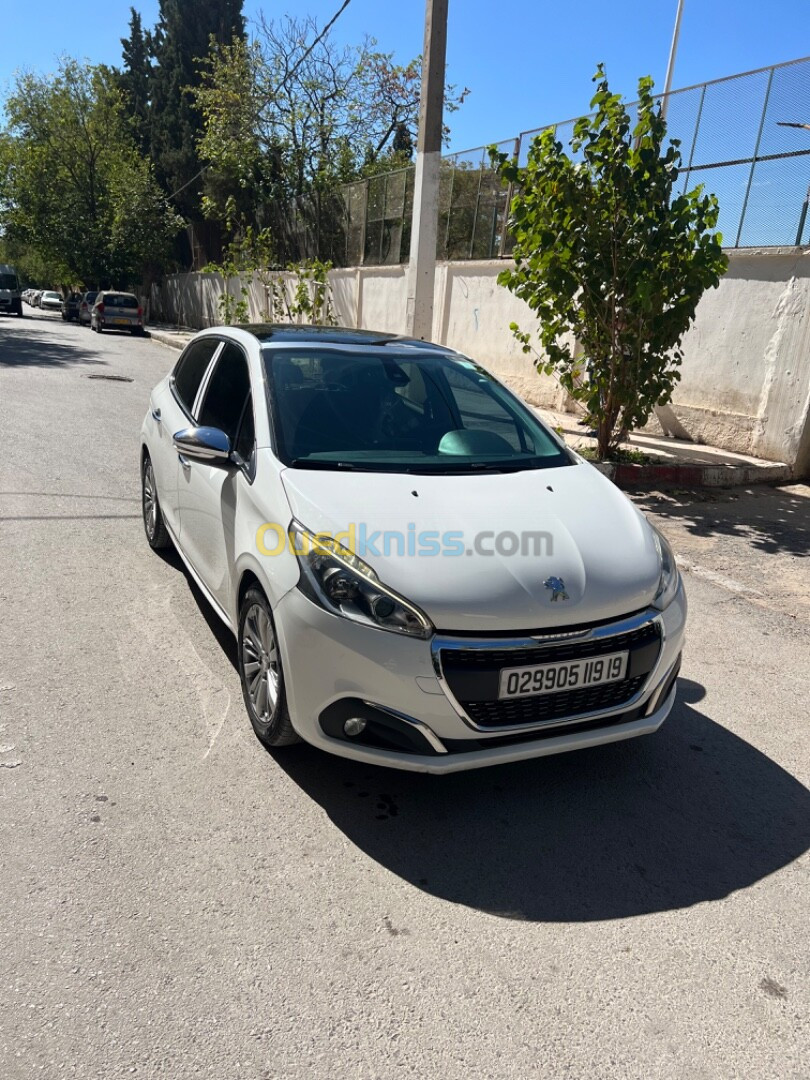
(174, 337)
(672, 463)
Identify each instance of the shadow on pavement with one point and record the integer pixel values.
(225, 639)
(682, 817)
(29, 347)
(772, 520)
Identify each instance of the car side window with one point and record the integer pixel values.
(226, 392)
(245, 442)
(191, 367)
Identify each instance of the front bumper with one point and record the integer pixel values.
(330, 663)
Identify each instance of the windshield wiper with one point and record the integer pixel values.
(317, 463)
(468, 467)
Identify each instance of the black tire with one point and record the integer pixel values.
(157, 535)
(254, 647)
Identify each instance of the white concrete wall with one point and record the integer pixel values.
(745, 382)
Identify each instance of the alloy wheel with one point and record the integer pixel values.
(149, 500)
(260, 664)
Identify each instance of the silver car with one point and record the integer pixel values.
(116, 311)
(50, 300)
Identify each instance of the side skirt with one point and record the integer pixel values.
(198, 580)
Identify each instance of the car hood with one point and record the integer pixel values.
(494, 552)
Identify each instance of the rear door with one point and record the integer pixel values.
(171, 410)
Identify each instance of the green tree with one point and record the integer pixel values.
(181, 42)
(75, 195)
(607, 254)
(135, 79)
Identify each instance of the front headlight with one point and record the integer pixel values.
(335, 578)
(670, 578)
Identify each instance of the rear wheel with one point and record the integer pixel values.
(261, 673)
(156, 532)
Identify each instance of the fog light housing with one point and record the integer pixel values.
(354, 726)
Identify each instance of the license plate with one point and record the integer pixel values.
(568, 675)
(120, 322)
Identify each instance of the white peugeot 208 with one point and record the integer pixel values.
(418, 572)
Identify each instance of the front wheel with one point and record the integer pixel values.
(261, 673)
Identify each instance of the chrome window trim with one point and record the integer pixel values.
(624, 626)
(203, 380)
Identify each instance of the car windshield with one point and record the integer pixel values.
(122, 300)
(400, 411)
(90, 297)
(51, 296)
(8, 281)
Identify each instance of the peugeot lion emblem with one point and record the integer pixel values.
(557, 586)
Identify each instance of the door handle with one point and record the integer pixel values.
(156, 415)
(183, 461)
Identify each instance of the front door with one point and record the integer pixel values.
(208, 494)
(171, 410)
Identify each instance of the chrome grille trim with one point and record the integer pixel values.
(448, 642)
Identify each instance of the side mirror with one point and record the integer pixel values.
(203, 444)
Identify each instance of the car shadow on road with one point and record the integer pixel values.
(30, 347)
(688, 815)
(223, 636)
(772, 520)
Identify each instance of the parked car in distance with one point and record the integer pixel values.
(51, 300)
(86, 307)
(70, 306)
(116, 311)
(10, 292)
(363, 512)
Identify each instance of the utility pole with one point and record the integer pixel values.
(672, 54)
(425, 225)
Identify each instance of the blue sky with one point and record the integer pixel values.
(527, 63)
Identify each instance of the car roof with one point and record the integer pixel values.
(272, 333)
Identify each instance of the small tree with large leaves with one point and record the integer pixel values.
(608, 254)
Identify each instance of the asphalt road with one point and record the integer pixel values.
(176, 902)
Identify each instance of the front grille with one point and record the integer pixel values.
(471, 659)
(542, 708)
(473, 674)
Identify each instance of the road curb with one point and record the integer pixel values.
(632, 477)
(174, 339)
